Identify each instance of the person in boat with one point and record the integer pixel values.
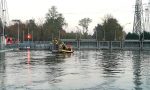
(56, 44)
(64, 47)
(69, 47)
(59, 45)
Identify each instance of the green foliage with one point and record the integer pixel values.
(54, 22)
(146, 35)
(110, 30)
(25, 28)
(98, 32)
(132, 36)
(70, 35)
(33, 29)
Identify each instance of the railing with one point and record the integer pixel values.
(87, 44)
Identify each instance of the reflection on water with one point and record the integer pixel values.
(111, 63)
(28, 55)
(137, 58)
(88, 70)
(2, 71)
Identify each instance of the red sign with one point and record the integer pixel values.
(9, 40)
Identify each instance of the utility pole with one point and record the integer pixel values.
(147, 17)
(3, 19)
(79, 32)
(104, 34)
(59, 34)
(32, 36)
(23, 36)
(115, 35)
(96, 35)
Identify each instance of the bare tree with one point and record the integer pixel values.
(84, 23)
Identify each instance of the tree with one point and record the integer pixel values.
(84, 23)
(41, 30)
(71, 35)
(54, 22)
(98, 32)
(110, 29)
(33, 29)
(113, 30)
(12, 30)
(1, 27)
(44, 30)
(132, 36)
(146, 35)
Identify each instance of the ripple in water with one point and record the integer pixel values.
(82, 70)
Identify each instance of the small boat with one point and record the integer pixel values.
(61, 48)
(62, 51)
(67, 51)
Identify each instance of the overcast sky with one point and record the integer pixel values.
(74, 10)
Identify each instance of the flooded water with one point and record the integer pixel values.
(82, 70)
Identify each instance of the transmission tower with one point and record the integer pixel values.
(138, 25)
(147, 17)
(147, 27)
(3, 15)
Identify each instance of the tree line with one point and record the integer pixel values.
(143, 36)
(53, 27)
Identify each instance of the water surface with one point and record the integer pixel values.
(82, 70)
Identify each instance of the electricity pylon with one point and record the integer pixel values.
(138, 25)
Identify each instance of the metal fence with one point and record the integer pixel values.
(86, 44)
